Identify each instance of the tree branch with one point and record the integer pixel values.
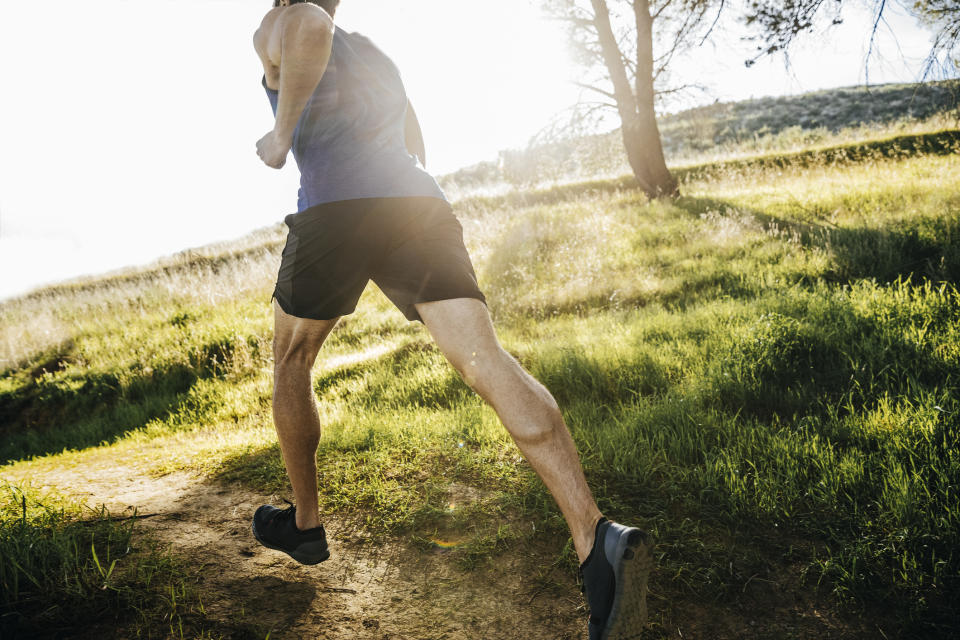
(656, 15)
(686, 87)
(613, 57)
(873, 36)
(590, 87)
(715, 21)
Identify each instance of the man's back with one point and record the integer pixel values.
(350, 141)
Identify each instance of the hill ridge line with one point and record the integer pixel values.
(943, 142)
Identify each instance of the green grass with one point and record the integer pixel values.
(64, 568)
(763, 373)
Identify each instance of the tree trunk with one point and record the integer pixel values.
(641, 139)
(641, 136)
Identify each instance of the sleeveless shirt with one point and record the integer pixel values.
(349, 142)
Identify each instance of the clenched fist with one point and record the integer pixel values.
(272, 150)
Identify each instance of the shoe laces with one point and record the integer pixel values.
(285, 514)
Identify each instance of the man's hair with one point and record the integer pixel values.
(330, 6)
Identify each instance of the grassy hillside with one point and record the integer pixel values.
(727, 130)
(706, 127)
(763, 373)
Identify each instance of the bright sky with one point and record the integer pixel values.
(127, 128)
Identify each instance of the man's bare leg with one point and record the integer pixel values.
(296, 343)
(464, 333)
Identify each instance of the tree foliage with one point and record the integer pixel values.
(779, 22)
(943, 17)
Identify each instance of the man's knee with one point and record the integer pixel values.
(297, 341)
(502, 380)
(543, 421)
(295, 354)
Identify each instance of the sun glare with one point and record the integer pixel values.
(120, 144)
(482, 79)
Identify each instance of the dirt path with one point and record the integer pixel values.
(369, 589)
(390, 589)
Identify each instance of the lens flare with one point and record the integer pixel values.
(445, 545)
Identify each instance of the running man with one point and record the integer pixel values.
(369, 211)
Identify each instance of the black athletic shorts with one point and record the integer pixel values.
(412, 248)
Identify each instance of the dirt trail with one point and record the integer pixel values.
(369, 589)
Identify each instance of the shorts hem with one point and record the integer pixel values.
(287, 309)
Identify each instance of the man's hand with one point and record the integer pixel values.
(272, 150)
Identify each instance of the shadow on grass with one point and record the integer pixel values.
(76, 411)
(938, 143)
(45, 411)
(921, 248)
(259, 468)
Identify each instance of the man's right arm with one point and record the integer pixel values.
(306, 40)
(297, 42)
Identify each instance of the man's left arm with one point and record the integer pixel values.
(414, 136)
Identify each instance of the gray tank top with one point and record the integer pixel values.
(349, 142)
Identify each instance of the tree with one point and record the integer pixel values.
(780, 22)
(943, 17)
(621, 38)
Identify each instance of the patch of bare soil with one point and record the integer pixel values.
(384, 589)
(391, 589)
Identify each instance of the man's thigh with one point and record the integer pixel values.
(461, 328)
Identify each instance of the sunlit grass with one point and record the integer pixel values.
(45, 320)
(797, 138)
(762, 372)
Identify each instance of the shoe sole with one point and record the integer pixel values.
(628, 615)
(309, 553)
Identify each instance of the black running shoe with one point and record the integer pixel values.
(277, 529)
(614, 578)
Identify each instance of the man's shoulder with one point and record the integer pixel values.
(270, 19)
(305, 12)
(301, 14)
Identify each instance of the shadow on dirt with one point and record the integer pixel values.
(254, 606)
